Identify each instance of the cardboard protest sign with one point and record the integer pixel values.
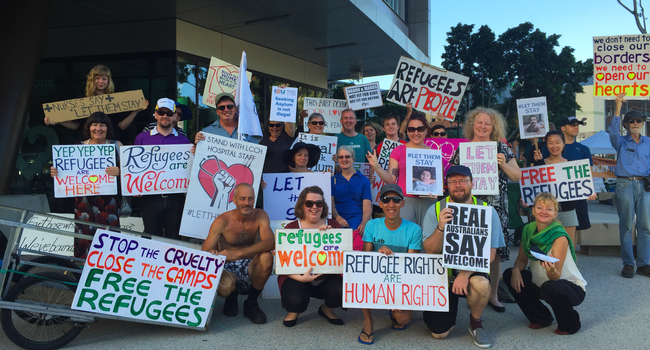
(149, 281)
(82, 170)
(423, 172)
(621, 65)
(533, 117)
(282, 191)
(284, 103)
(383, 158)
(481, 159)
(363, 96)
(47, 242)
(79, 108)
(220, 164)
(566, 181)
(157, 169)
(327, 145)
(430, 89)
(364, 168)
(447, 148)
(603, 167)
(222, 77)
(298, 250)
(399, 281)
(330, 109)
(467, 238)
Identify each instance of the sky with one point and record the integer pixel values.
(577, 21)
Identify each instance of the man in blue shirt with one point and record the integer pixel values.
(349, 137)
(227, 123)
(632, 165)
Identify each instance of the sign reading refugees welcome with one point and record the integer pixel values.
(79, 108)
(158, 169)
(82, 170)
(298, 250)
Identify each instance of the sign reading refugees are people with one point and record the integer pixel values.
(157, 169)
(533, 117)
(148, 280)
(430, 89)
(399, 281)
(363, 96)
(621, 64)
(79, 108)
(282, 191)
(48, 242)
(220, 164)
(298, 250)
(284, 103)
(383, 158)
(481, 159)
(82, 170)
(423, 172)
(467, 238)
(566, 181)
(222, 77)
(327, 145)
(329, 108)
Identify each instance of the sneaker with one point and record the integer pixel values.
(628, 271)
(481, 339)
(230, 307)
(643, 270)
(252, 310)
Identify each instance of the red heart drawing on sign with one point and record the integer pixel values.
(211, 166)
(225, 76)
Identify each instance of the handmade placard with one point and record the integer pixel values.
(282, 191)
(330, 109)
(467, 238)
(298, 250)
(481, 159)
(447, 148)
(423, 172)
(222, 77)
(383, 158)
(79, 108)
(621, 65)
(157, 169)
(566, 181)
(363, 96)
(533, 117)
(82, 170)
(35, 239)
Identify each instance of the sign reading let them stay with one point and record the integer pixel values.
(282, 191)
(467, 238)
(222, 77)
(330, 109)
(298, 250)
(566, 181)
(423, 172)
(622, 64)
(533, 117)
(148, 280)
(157, 169)
(481, 159)
(363, 96)
(79, 108)
(82, 170)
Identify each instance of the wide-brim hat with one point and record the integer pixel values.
(187, 112)
(313, 150)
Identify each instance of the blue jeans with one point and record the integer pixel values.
(632, 199)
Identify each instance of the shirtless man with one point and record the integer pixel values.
(249, 262)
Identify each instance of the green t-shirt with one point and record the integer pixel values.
(358, 143)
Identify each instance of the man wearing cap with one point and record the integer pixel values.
(182, 113)
(349, 137)
(474, 285)
(388, 235)
(632, 165)
(162, 214)
(227, 123)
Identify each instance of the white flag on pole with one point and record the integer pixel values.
(249, 123)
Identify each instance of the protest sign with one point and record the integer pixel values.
(567, 181)
(467, 238)
(47, 242)
(533, 117)
(447, 148)
(430, 89)
(282, 191)
(603, 167)
(363, 96)
(149, 281)
(383, 158)
(364, 168)
(327, 145)
(222, 77)
(621, 65)
(330, 109)
(82, 170)
(423, 172)
(220, 164)
(400, 281)
(298, 250)
(157, 169)
(481, 159)
(79, 108)
(284, 103)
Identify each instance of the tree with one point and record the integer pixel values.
(639, 14)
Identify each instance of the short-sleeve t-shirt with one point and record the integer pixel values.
(407, 236)
(274, 150)
(358, 143)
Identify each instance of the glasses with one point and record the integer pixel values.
(435, 133)
(345, 157)
(162, 113)
(318, 123)
(309, 204)
(395, 199)
(459, 182)
(636, 121)
(221, 108)
(419, 129)
(275, 125)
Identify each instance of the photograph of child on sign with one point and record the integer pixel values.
(534, 126)
(424, 179)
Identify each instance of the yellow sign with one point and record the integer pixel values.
(79, 108)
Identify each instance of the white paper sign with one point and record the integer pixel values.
(621, 65)
(481, 159)
(327, 145)
(424, 172)
(400, 281)
(298, 250)
(383, 158)
(363, 96)
(566, 181)
(284, 103)
(47, 242)
(157, 169)
(282, 191)
(330, 109)
(222, 77)
(533, 117)
(220, 164)
(82, 170)
(467, 238)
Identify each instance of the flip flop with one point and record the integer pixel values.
(368, 336)
(394, 324)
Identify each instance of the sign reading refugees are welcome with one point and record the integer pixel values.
(467, 238)
(157, 169)
(298, 250)
(79, 108)
(400, 281)
(622, 64)
(383, 158)
(82, 170)
(282, 191)
(148, 280)
(566, 181)
(330, 109)
(284, 102)
(481, 159)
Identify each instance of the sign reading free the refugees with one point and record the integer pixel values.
(157, 169)
(329, 108)
(298, 250)
(467, 238)
(481, 159)
(363, 96)
(148, 280)
(284, 102)
(82, 170)
(622, 64)
(79, 108)
(567, 181)
(403, 281)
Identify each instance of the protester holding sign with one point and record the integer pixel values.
(227, 125)
(553, 276)
(475, 285)
(316, 123)
(351, 196)
(482, 125)
(371, 130)
(296, 290)
(390, 125)
(278, 140)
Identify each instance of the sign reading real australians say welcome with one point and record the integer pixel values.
(467, 238)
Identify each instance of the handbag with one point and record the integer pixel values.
(646, 183)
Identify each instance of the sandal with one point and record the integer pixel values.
(369, 342)
(394, 324)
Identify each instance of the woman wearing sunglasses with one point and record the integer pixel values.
(438, 132)
(316, 124)
(296, 290)
(279, 139)
(351, 196)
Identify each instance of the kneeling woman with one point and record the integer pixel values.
(560, 284)
(295, 290)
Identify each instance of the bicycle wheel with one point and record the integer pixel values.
(33, 330)
(48, 260)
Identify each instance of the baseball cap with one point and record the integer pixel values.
(633, 115)
(459, 169)
(571, 120)
(391, 188)
(224, 95)
(166, 103)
